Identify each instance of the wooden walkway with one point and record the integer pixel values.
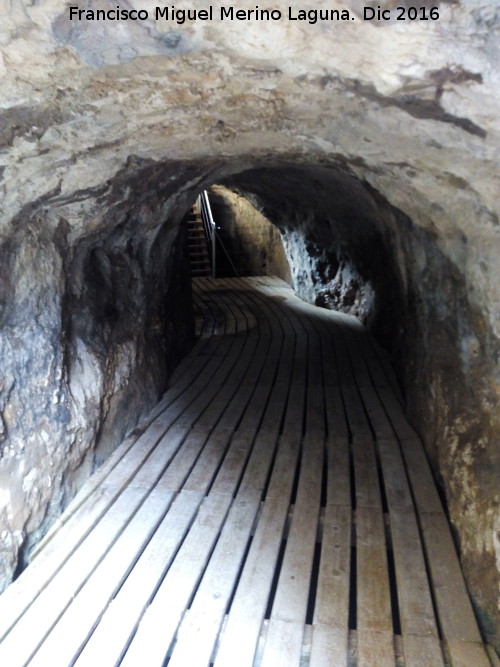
(275, 509)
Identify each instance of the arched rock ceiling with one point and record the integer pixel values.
(411, 107)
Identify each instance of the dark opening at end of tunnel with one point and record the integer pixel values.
(318, 229)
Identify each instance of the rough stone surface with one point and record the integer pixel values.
(107, 130)
(87, 338)
(248, 243)
(329, 228)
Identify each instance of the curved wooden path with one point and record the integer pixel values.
(275, 509)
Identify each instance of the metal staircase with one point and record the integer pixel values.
(201, 237)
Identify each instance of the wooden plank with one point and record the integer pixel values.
(204, 387)
(209, 460)
(416, 611)
(329, 646)
(275, 352)
(289, 608)
(247, 317)
(290, 601)
(184, 460)
(338, 472)
(256, 407)
(375, 648)
(264, 314)
(385, 362)
(344, 368)
(396, 413)
(157, 461)
(374, 619)
(191, 366)
(359, 367)
(220, 401)
(285, 367)
(366, 347)
(294, 414)
(456, 616)
(233, 317)
(421, 479)
(377, 417)
(182, 578)
(119, 621)
(271, 421)
(420, 651)
(239, 641)
(241, 400)
(283, 645)
(315, 416)
(230, 351)
(359, 425)
(235, 368)
(335, 412)
(19, 645)
(465, 654)
(259, 463)
(397, 488)
(315, 365)
(190, 406)
(234, 462)
(159, 623)
(244, 393)
(198, 631)
(331, 612)
(367, 484)
(75, 626)
(332, 595)
(207, 326)
(139, 457)
(205, 365)
(414, 596)
(373, 597)
(330, 371)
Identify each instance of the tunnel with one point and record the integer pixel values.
(377, 178)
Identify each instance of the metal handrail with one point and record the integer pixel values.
(209, 225)
(203, 205)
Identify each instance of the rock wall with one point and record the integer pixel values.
(92, 321)
(331, 231)
(249, 245)
(109, 128)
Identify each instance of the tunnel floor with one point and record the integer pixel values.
(275, 509)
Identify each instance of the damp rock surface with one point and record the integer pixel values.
(389, 131)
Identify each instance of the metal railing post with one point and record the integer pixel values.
(209, 226)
